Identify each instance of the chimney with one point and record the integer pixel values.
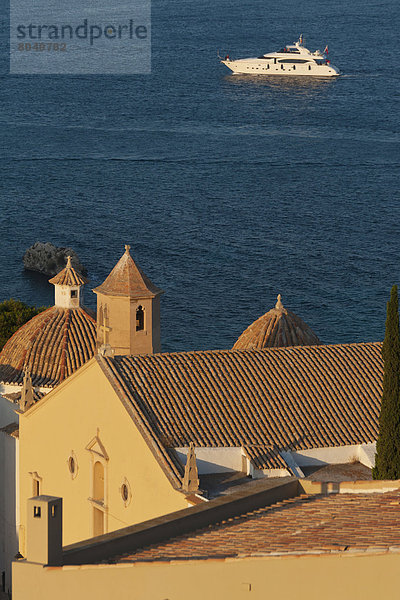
(44, 530)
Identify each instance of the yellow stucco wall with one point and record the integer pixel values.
(65, 421)
(347, 576)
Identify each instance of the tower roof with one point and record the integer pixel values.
(127, 279)
(51, 346)
(278, 327)
(68, 276)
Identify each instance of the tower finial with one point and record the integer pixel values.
(27, 397)
(127, 248)
(69, 264)
(279, 304)
(191, 478)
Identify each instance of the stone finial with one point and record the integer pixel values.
(27, 398)
(191, 477)
(69, 264)
(279, 304)
(106, 350)
(127, 248)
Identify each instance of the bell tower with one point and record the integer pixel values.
(128, 310)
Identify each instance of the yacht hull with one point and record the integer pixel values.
(263, 67)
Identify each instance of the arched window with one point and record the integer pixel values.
(98, 497)
(139, 318)
(98, 482)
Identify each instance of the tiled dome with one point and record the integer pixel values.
(278, 327)
(52, 345)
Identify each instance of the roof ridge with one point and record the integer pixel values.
(64, 346)
(272, 350)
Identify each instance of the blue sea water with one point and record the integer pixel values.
(229, 189)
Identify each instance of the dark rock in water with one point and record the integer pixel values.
(50, 260)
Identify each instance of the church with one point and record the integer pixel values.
(126, 433)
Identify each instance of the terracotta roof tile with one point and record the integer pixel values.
(68, 276)
(51, 346)
(280, 398)
(278, 327)
(301, 525)
(126, 279)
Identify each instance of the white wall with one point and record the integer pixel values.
(214, 460)
(7, 410)
(9, 388)
(364, 453)
(222, 460)
(63, 296)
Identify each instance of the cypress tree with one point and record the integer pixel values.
(387, 460)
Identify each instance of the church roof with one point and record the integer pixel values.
(68, 276)
(52, 345)
(264, 400)
(278, 327)
(127, 279)
(339, 523)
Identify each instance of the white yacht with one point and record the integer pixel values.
(293, 59)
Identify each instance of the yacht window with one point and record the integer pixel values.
(281, 66)
(309, 67)
(274, 61)
(291, 50)
(293, 60)
(294, 67)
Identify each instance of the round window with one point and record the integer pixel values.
(125, 492)
(72, 465)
